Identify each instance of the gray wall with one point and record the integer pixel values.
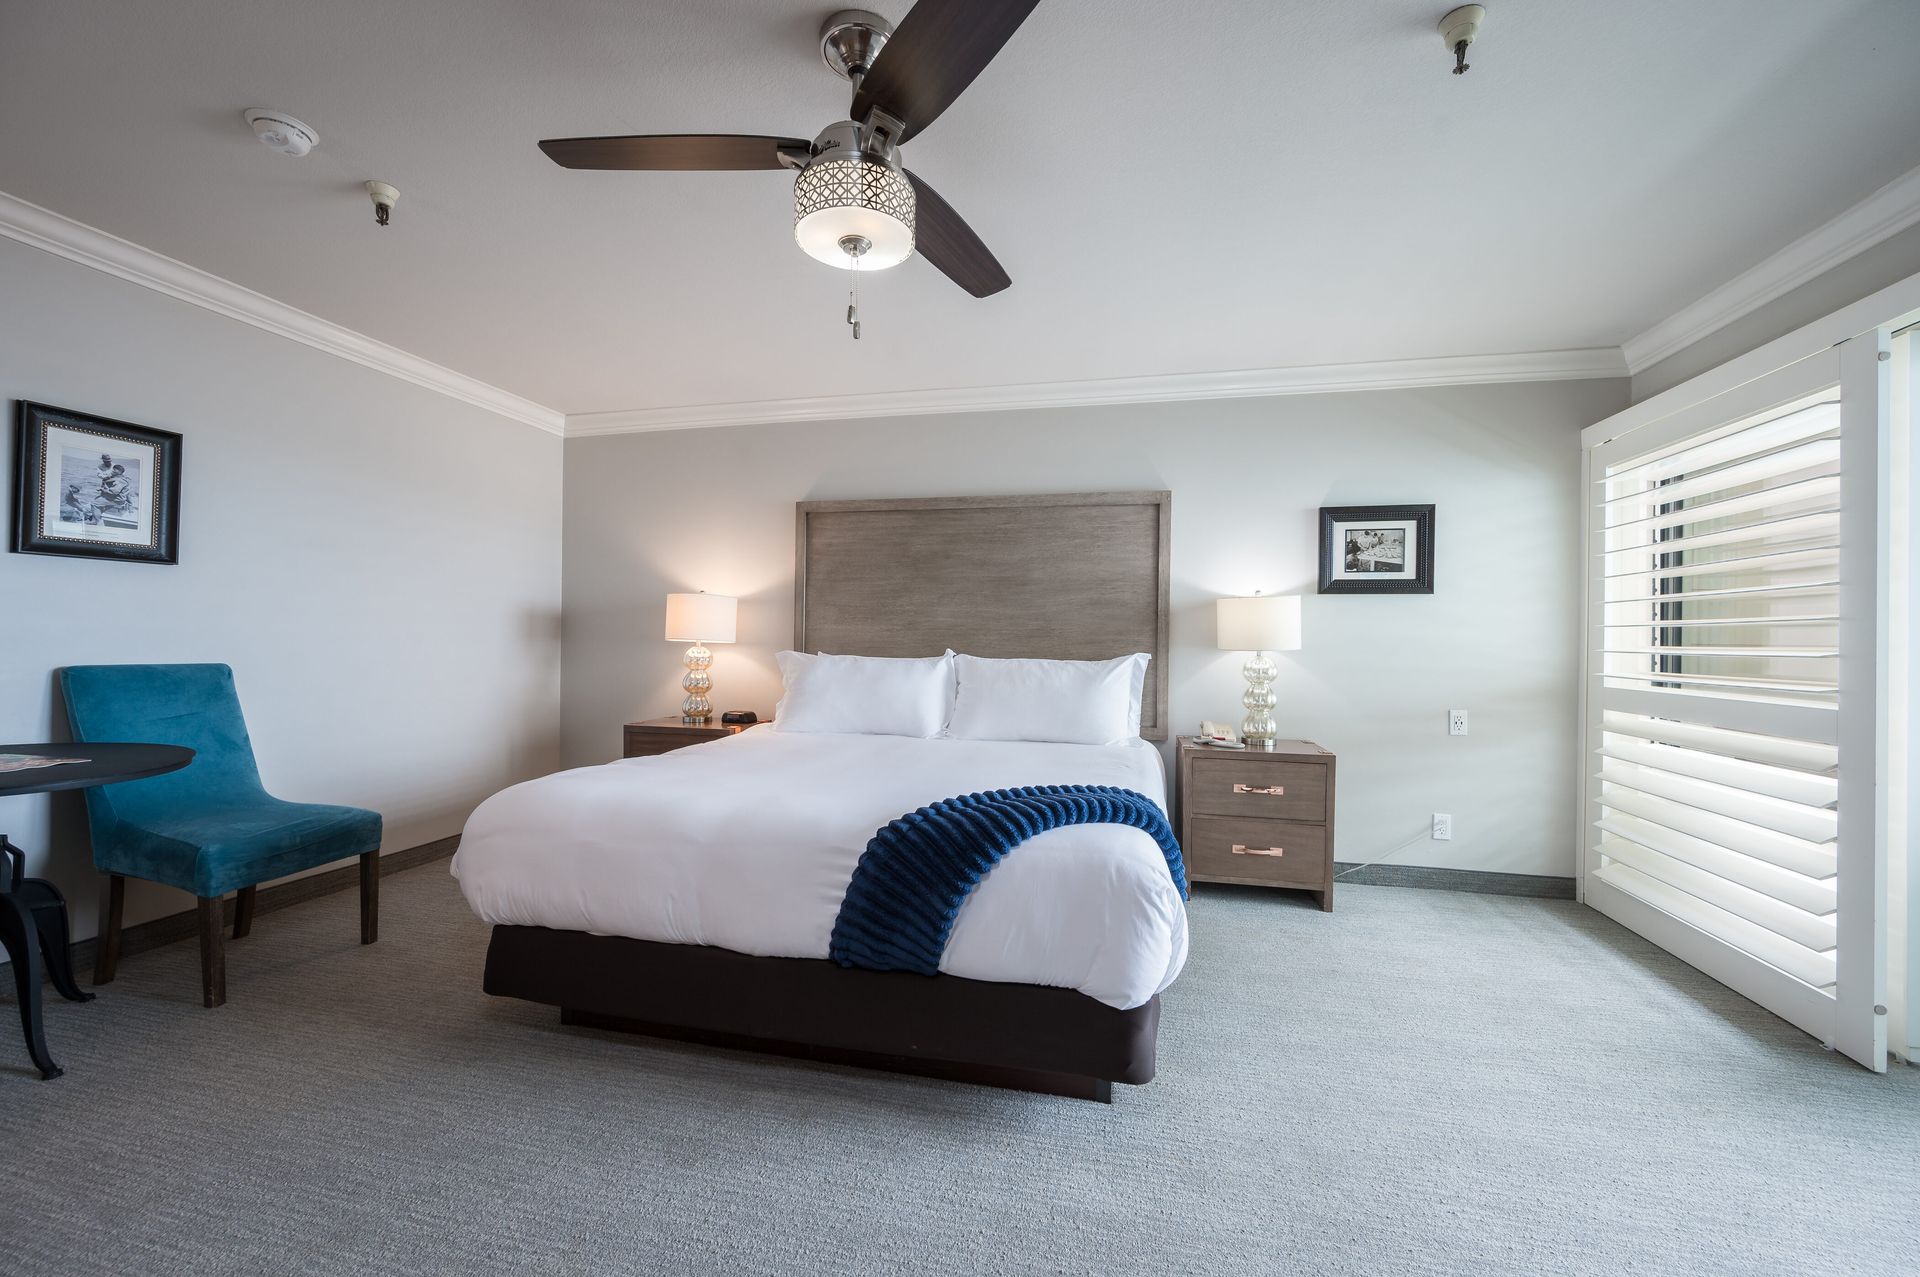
(380, 565)
(713, 509)
(1865, 273)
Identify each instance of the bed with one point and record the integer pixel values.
(691, 894)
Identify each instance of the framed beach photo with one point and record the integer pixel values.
(1385, 549)
(92, 488)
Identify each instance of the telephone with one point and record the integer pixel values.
(1219, 734)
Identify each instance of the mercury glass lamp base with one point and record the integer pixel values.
(1257, 728)
(697, 708)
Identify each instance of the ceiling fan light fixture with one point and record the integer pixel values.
(854, 206)
(854, 198)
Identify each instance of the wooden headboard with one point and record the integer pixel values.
(1077, 576)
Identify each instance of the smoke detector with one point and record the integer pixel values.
(282, 132)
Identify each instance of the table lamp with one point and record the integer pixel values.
(1264, 623)
(699, 619)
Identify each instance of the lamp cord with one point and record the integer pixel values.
(1381, 858)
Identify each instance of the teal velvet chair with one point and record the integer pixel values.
(209, 828)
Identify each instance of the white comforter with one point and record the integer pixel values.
(748, 843)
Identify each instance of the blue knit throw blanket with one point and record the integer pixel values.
(916, 873)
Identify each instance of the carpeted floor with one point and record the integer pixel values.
(1421, 1082)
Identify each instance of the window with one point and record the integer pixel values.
(1720, 573)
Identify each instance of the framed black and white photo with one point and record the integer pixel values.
(1384, 549)
(94, 488)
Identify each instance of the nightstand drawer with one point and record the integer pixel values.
(647, 747)
(1283, 853)
(1255, 786)
(663, 736)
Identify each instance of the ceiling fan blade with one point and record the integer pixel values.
(676, 151)
(933, 55)
(943, 237)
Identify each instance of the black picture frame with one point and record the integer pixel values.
(1415, 519)
(127, 514)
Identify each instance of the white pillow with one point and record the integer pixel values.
(864, 695)
(1077, 702)
(1138, 690)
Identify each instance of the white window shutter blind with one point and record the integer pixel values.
(1719, 562)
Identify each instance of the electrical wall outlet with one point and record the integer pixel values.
(1442, 826)
(1456, 722)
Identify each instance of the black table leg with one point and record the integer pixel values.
(47, 909)
(21, 938)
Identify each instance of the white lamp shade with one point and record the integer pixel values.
(1263, 623)
(701, 618)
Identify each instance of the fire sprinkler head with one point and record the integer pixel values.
(1459, 29)
(384, 197)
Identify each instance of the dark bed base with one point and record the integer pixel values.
(1022, 1036)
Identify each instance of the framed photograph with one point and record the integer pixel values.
(94, 488)
(1376, 549)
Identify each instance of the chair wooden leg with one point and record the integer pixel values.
(370, 897)
(213, 958)
(106, 953)
(243, 912)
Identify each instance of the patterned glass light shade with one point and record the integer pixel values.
(834, 198)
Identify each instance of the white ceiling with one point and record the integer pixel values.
(1260, 185)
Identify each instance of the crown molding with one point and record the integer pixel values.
(63, 237)
(1393, 374)
(51, 232)
(1885, 213)
(1880, 216)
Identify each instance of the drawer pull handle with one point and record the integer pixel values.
(1275, 790)
(1238, 850)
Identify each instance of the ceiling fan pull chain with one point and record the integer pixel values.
(853, 298)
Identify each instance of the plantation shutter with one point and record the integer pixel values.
(1718, 609)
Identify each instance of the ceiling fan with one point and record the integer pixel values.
(854, 206)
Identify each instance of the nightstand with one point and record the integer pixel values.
(663, 735)
(1262, 817)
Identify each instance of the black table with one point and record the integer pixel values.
(33, 914)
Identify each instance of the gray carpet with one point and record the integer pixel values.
(1421, 1082)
